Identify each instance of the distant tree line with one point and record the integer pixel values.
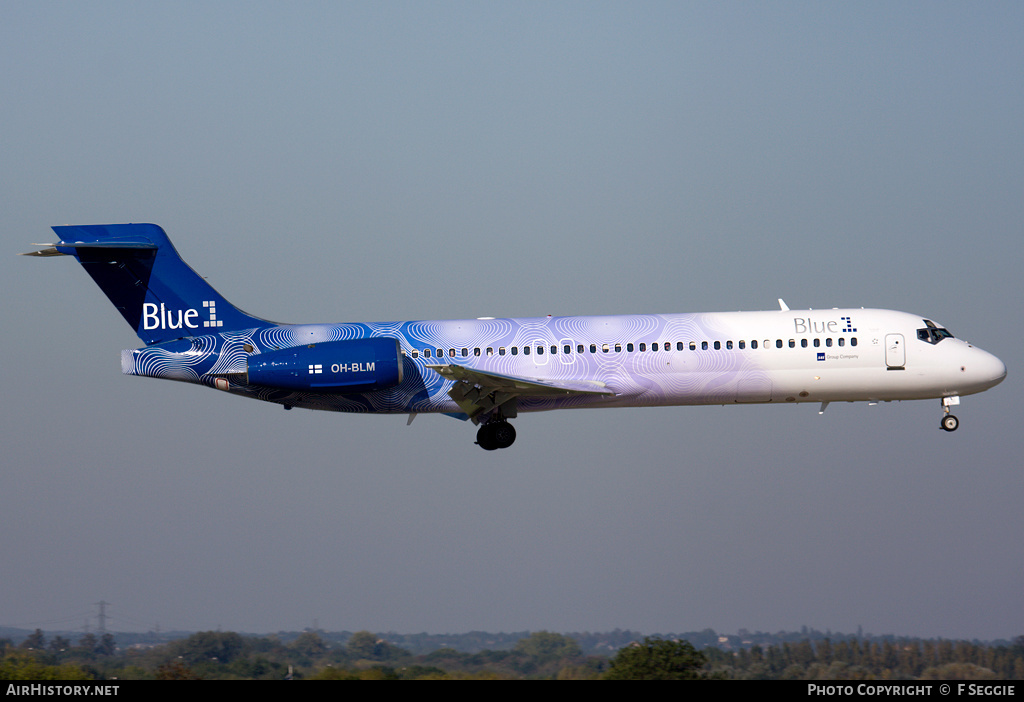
(542, 654)
(850, 659)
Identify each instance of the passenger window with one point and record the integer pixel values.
(515, 350)
(778, 343)
(593, 348)
(703, 346)
(526, 350)
(567, 349)
(554, 349)
(426, 353)
(679, 346)
(654, 346)
(753, 343)
(643, 347)
(718, 346)
(743, 344)
(842, 341)
(540, 350)
(490, 350)
(803, 343)
(604, 348)
(728, 345)
(693, 346)
(618, 348)
(579, 348)
(465, 352)
(629, 347)
(817, 343)
(792, 343)
(440, 353)
(853, 341)
(415, 353)
(828, 341)
(501, 350)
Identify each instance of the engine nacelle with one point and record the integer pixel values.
(342, 367)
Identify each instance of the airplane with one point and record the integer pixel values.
(488, 370)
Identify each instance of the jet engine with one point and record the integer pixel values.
(341, 367)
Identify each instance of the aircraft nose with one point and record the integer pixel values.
(1000, 374)
(987, 369)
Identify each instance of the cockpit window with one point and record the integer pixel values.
(933, 333)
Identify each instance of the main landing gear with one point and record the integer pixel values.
(496, 434)
(949, 421)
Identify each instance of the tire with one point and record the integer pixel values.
(504, 434)
(485, 438)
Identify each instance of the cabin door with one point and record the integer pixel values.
(895, 353)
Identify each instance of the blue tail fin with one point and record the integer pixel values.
(158, 294)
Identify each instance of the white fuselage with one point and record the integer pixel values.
(783, 356)
(724, 358)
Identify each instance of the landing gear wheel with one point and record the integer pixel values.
(504, 434)
(495, 435)
(485, 437)
(950, 423)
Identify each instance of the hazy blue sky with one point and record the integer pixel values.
(382, 161)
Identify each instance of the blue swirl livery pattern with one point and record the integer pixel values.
(489, 370)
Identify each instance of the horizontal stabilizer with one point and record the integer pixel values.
(52, 251)
(115, 244)
(55, 249)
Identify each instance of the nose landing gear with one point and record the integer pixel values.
(949, 421)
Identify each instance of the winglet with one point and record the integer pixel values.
(783, 306)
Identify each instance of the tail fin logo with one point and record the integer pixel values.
(212, 321)
(159, 317)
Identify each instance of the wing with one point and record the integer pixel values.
(477, 391)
